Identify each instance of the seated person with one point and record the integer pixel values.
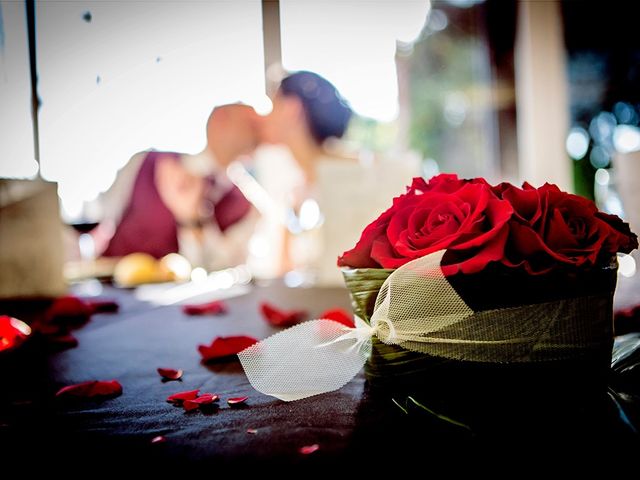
(166, 202)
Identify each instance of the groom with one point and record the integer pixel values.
(166, 202)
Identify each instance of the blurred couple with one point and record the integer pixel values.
(166, 202)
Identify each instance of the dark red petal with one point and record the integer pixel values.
(237, 400)
(158, 439)
(252, 431)
(13, 332)
(170, 373)
(340, 316)
(206, 399)
(309, 449)
(69, 310)
(61, 341)
(180, 397)
(223, 347)
(281, 318)
(216, 307)
(93, 389)
(190, 405)
(103, 306)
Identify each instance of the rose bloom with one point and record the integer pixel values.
(535, 229)
(550, 228)
(464, 217)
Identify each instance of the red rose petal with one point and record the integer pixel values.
(252, 431)
(204, 399)
(170, 373)
(178, 398)
(63, 341)
(281, 318)
(69, 310)
(92, 389)
(340, 316)
(309, 449)
(103, 306)
(158, 439)
(237, 401)
(190, 405)
(216, 307)
(222, 347)
(13, 332)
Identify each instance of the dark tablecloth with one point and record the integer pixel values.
(347, 425)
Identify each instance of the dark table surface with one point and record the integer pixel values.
(129, 346)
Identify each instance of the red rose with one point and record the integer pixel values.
(444, 182)
(551, 228)
(470, 222)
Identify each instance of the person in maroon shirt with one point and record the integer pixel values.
(167, 202)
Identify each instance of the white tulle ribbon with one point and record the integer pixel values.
(320, 356)
(417, 309)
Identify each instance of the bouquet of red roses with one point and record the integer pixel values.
(458, 277)
(536, 229)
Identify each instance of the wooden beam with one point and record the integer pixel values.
(541, 95)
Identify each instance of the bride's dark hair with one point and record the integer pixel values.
(327, 112)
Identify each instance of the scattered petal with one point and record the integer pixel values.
(92, 389)
(170, 373)
(159, 439)
(222, 347)
(62, 341)
(190, 405)
(216, 307)
(103, 306)
(178, 398)
(252, 431)
(237, 401)
(13, 332)
(281, 318)
(69, 310)
(204, 399)
(309, 449)
(339, 315)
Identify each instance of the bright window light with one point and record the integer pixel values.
(353, 44)
(117, 78)
(16, 128)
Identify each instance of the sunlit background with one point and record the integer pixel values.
(438, 81)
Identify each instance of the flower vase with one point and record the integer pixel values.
(495, 288)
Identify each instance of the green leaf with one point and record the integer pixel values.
(435, 414)
(400, 406)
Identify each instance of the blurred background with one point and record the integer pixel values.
(536, 91)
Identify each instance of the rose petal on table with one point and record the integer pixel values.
(216, 307)
(68, 310)
(281, 318)
(170, 373)
(159, 439)
(178, 398)
(92, 389)
(309, 449)
(204, 399)
(339, 315)
(62, 341)
(190, 405)
(252, 431)
(103, 306)
(13, 332)
(237, 401)
(223, 347)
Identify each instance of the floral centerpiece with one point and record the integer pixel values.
(505, 247)
(463, 275)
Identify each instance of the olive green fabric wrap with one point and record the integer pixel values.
(570, 328)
